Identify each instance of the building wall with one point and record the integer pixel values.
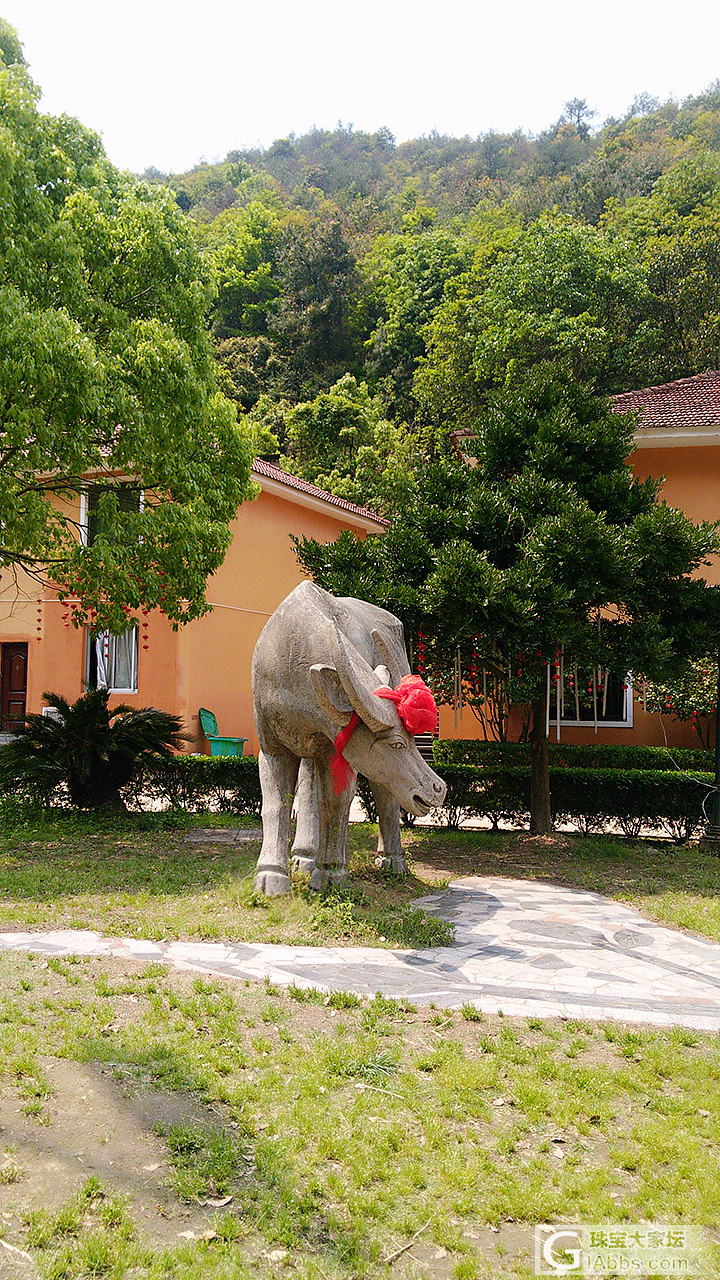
(206, 663)
(692, 482)
(259, 571)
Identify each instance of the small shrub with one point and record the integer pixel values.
(195, 783)
(91, 751)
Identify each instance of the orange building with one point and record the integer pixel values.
(206, 663)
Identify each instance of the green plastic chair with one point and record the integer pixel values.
(219, 746)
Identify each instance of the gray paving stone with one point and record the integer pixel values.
(520, 946)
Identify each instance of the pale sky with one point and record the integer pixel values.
(168, 83)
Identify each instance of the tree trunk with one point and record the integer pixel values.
(540, 812)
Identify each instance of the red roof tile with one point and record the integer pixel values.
(271, 472)
(688, 402)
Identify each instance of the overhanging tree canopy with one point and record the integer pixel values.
(105, 372)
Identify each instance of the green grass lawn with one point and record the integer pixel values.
(121, 878)
(341, 1128)
(349, 1125)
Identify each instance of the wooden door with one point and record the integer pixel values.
(13, 682)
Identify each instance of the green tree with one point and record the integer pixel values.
(313, 319)
(579, 114)
(557, 291)
(676, 234)
(244, 261)
(691, 697)
(342, 442)
(106, 377)
(11, 50)
(408, 274)
(546, 544)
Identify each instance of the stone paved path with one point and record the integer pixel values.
(521, 946)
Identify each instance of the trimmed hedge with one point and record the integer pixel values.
(449, 751)
(589, 798)
(634, 798)
(197, 783)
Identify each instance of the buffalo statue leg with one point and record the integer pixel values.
(278, 777)
(306, 844)
(333, 813)
(390, 854)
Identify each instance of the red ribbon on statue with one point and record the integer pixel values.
(340, 771)
(416, 708)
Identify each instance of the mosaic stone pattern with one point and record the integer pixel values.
(523, 947)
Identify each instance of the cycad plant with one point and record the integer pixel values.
(92, 749)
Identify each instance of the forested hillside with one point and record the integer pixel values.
(371, 296)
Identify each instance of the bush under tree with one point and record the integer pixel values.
(88, 749)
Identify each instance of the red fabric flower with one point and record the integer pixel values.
(416, 706)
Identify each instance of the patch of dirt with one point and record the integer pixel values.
(104, 1127)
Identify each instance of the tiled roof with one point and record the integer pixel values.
(271, 472)
(688, 402)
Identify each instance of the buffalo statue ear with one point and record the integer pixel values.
(360, 682)
(331, 697)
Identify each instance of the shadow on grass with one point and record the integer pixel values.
(603, 864)
(244, 1162)
(67, 855)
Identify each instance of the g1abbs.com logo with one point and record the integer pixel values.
(572, 1250)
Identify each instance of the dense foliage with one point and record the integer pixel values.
(691, 697)
(638, 792)
(107, 371)
(88, 748)
(563, 755)
(542, 548)
(365, 300)
(435, 270)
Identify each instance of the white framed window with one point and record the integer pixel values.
(111, 662)
(607, 701)
(129, 498)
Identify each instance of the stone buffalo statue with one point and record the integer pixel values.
(315, 668)
(378, 636)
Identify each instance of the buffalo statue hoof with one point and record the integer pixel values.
(394, 863)
(324, 878)
(272, 883)
(302, 863)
